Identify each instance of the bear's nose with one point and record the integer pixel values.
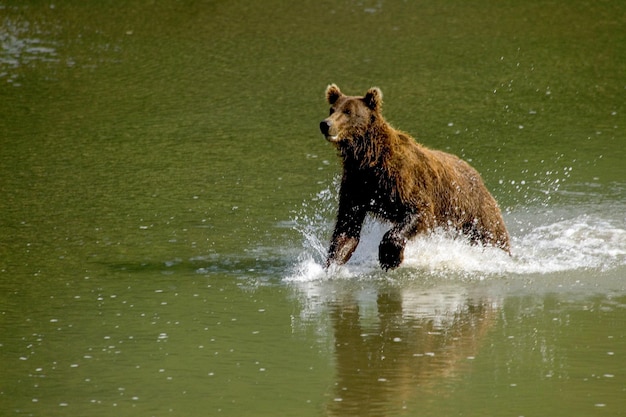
(325, 127)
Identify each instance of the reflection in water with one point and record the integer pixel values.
(406, 348)
(394, 345)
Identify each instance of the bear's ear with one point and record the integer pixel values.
(333, 94)
(374, 99)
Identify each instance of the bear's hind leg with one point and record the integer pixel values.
(497, 236)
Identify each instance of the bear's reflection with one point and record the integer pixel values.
(408, 344)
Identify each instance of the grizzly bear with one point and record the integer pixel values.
(388, 174)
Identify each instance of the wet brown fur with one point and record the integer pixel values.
(387, 173)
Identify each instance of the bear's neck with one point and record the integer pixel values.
(370, 150)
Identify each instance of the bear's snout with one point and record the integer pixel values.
(325, 127)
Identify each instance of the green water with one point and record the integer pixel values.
(166, 200)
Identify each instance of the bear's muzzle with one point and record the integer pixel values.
(325, 126)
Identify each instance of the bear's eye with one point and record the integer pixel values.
(331, 111)
(347, 112)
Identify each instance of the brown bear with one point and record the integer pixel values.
(388, 174)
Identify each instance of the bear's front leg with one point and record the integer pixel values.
(341, 249)
(391, 250)
(347, 229)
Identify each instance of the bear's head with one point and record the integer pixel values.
(350, 117)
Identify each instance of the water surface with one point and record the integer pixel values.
(167, 200)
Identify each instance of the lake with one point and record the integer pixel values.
(167, 201)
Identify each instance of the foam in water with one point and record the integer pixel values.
(540, 243)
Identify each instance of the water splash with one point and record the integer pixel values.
(544, 240)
